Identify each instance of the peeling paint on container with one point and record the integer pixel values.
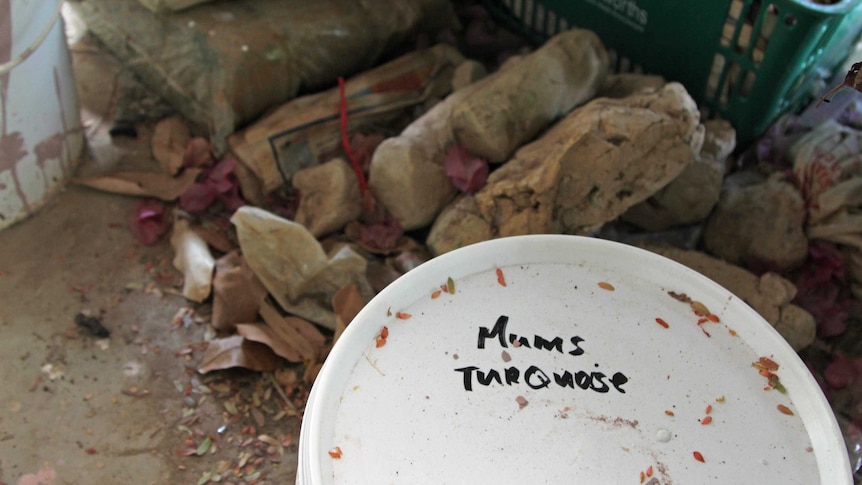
(41, 138)
(593, 391)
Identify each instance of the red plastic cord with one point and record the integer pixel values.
(345, 140)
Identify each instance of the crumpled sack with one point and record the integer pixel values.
(827, 165)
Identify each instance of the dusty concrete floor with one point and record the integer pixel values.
(75, 409)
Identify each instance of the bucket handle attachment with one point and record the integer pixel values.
(4, 68)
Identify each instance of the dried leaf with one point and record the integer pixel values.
(216, 238)
(169, 141)
(380, 275)
(145, 184)
(236, 351)
(311, 372)
(300, 334)
(204, 446)
(264, 334)
(237, 293)
(347, 302)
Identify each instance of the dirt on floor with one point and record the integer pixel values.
(77, 407)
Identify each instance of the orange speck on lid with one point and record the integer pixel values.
(500, 278)
(335, 452)
(385, 332)
(668, 412)
(698, 456)
(713, 318)
(436, 294)
(402, 315)
(649, 471)
(661, 322)
(785, 410)
(708, 407)
(606, 286)
(706, 420)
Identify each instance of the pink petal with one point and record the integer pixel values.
(384, 235)
(841, 372)
(198, 197)
(467, 172)
(149, 221)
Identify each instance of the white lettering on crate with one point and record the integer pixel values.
(626, 11)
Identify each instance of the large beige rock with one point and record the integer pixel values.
(329, 196)
(407, 174)
(760, 224)
(519, 103)
(459, 225)
(626, 84)
(690, 197)
(769, 295)
(293, 266)
(585, 171)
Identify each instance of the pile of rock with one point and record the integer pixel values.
(573, 148)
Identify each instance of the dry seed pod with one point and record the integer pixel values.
(853, 79)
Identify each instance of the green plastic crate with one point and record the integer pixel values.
(747, 61)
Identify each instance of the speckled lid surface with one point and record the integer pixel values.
(561, 359)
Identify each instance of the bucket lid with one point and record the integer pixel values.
(562, 359)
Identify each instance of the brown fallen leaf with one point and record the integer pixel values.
(146, 184)
(259, 332)
(380, 275)
(237, 293)
(301, 334)
(236, 351)
(216, 238)
(170, 138)
(311, 372)
(346, 303)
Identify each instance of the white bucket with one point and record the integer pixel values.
(598, 391)
(40, 126)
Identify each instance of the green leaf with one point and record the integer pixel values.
(204, 446)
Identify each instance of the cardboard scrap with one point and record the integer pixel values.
(305, 131)
(237, 293)
(193, 258)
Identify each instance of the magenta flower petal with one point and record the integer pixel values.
(149, 221)
(467, 172)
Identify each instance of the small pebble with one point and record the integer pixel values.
(190, 402)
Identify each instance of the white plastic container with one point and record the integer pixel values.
(598, 391)
(40, 127)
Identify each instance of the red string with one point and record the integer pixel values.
(345, 140)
